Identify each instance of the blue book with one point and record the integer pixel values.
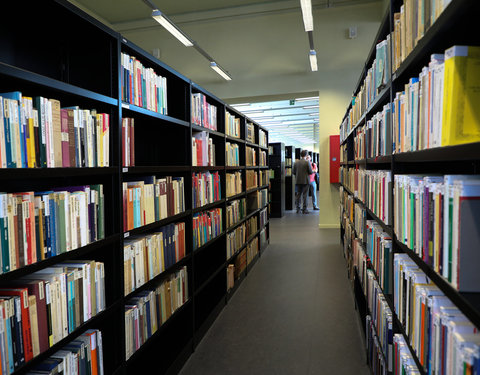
(78, 347)
(8, 133)
(49, 366)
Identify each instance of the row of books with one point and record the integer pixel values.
(207, 188)
(236, 211)
(404, 364)
(203, 113)
(40, 309)
(377, 77)
(37, 132)
(375, 188)
(263, 217)
(142, 86)
(381, 317)
(203, 150)
(252, 250)
(145, 257)
(240, 264)
(444, 340)
(250, 137)
(128, 142)
(262, 138)
(261, 197)
(350, 177)
(374, 138)
(232, 154)
(437, 108)
(206, 226)
(288, 172)
(250, 157)
(38, 225)
(230, 277)
(263, 177)
(236, 239)
(360, 221)
(152, 199)
(252, 179)
(81, 356)
(234, 183)
(379, 250)
(148, 310)
(410, 24)
(232, 125)
(263, 238)
(288, 162)
(252, 226)
(437, 217)
(375, 356)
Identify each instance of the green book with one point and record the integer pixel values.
(100, 211)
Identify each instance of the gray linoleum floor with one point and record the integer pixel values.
(293, 314)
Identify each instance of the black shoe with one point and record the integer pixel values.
(298, 211)
(316, 208)
(305, 212)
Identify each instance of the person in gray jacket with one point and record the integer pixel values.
(302, 171)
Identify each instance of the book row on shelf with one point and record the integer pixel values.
(251, 179)
(232, 154)
(146, 257)
(236, 211)
(203, 150)
(236, 239)
(232, 125)
(250, 157)
(207, 188)
(234, 183)
(128, 142)
(152, 199)
(207, 225)
(251, 226)
(410, 25)
(203, 113)
(142, 86)
(250, 135)
(147, 311)
(38, 225)
(262, 138)
(84, 355)
(40, 309)
(38, 132)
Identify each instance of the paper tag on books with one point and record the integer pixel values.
(125, 105)
(126, 234)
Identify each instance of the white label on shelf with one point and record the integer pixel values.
(124, 40)
(126, 234)
(125, 170)
(125, 105)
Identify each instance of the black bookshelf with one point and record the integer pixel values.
(84, 69)
(289, 178)
(455, 26)
(277, 164)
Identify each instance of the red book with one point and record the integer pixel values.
(132, 142)
(26, 330)
(65, 137)
(92, 335)
(124, 142)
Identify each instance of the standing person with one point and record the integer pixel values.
(313, 183)
(302, 171)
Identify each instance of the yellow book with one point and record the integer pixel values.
(461, 95)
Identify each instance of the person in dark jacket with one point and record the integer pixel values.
(302, 171)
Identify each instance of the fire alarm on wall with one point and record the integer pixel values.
(352, 32)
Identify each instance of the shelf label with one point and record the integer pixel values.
(125, 105)
(124, 40)
(125, 170)
(126, 234)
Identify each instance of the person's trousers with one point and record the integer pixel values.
(313, 191)
(302, 191)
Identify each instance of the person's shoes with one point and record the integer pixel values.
(298, 211)
(305, 212)
(316, 208)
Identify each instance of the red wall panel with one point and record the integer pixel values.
(334, 158)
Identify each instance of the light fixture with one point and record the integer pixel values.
(171, 27)
(306, 99)
(306, 6)
(241, 105)
(313, 114)
(313, 60)
(250, 112)
(220, 71)
(310, 106)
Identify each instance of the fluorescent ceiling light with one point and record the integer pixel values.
(313, 60)
(171, 27)
(241, 105)
(293, 122)
(261, 117)
(310, 106)
(220, 71)
(306, 99)
(306, 6)
(313, 114)
(250, 112)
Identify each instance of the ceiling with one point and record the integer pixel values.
(199, 19)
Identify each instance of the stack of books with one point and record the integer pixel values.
(206, 188)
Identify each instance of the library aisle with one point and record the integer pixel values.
(294, 314)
